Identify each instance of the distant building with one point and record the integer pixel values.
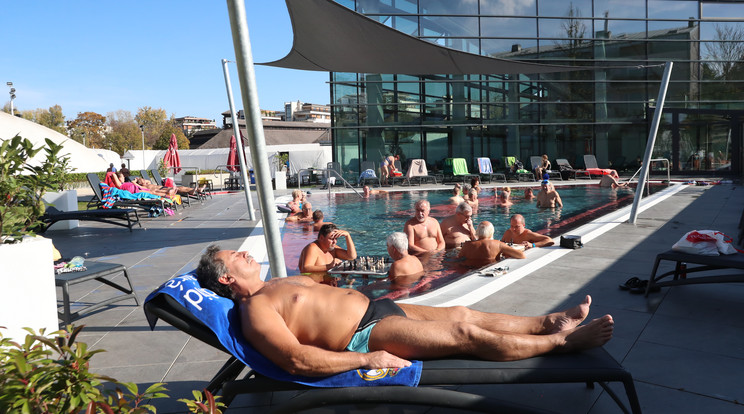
(307, 112)
(191, 124)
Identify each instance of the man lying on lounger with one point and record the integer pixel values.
(311, 329)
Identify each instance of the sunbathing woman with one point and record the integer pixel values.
(116, 180)
(155, 189)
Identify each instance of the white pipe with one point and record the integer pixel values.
(651, 141)
(249, 92)
(239, 141)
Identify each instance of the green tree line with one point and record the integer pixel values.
(118, 131)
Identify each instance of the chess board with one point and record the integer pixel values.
(363, 265)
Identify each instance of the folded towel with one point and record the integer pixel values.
(222, 317)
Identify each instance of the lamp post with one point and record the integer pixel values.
(12, 96)
(142, 128)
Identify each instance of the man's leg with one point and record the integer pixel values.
(416, 339)
(498, 322)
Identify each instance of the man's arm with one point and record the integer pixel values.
(265, 329)
(508, 251)
(350, 253)
(440, 237)
(507, 237)
(558, 201)
(309, 258)
(539, 240)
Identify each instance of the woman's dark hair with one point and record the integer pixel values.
(210, 269)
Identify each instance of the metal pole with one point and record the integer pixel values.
(239, 139)
(142, 128)
(256, 140)
(651, 141)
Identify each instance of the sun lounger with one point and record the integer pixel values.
(186, 198)
(183, 304)
(456, 169)
(536, 161)
(369, 172)
(571, 172)
(485, 170)
(97, 200)
(518, 173)
(681, 274)
(417, 171)
(125, 217)
(590, 163)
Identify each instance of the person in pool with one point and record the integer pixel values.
(456, 198)
(323, 254)
(423, 232)
(518, 234)
(311, 329)
(298, 197)
(486, 250)
(305, 216)
(548, 197)
(458, 228)
(405, 266)
(366, 192)
(318, 222)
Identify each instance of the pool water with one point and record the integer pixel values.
(370, 221)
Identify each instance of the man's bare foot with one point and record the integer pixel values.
(595, 333)
(568, 319)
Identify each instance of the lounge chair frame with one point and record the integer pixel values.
(703, 264)
(536, 160)
(449, 173)
(368, 165)
(595, 365)
(562, 162)
(487, 176)
(125, 217)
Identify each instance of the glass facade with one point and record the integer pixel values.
(605, 110)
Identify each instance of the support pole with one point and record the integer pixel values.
(256, 140)
(651, 141)
(239, 139)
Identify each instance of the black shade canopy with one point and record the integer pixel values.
(332, 38)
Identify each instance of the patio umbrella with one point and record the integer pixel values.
(171, 159)
(233, 162)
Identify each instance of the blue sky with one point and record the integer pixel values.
(103, 56)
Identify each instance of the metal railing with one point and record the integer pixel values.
(327, 174)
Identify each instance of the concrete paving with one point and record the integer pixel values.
(682, 345)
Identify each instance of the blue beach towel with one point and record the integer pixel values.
(221, 315)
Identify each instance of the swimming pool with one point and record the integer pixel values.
(370, 221)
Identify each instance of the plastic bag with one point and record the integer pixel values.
(705, 242)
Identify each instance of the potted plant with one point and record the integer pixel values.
(27, 291)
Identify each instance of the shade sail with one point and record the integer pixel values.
(330, 37)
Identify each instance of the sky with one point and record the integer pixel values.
(104, 56)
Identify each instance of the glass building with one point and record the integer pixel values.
(605, 110)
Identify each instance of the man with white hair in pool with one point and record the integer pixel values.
(404, 264)
(486, 250)
(423, 232)
(312, 329)
(323, 254)
(458, 228)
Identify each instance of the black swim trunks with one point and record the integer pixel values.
(376, 311)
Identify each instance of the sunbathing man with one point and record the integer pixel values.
(518, 234)
(406, 269)
(305, 216)
(548, 197)
(423, 232)
(311, 329)
(456, 198)
(323, 254)
(486, 250)
(458, 228)
(318, 220)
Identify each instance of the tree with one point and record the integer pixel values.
(154, 121)
(124, 133)
(89, 127)
(163, 140)
(724, 57)
(52, 118)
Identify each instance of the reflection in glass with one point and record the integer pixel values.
(448, 7)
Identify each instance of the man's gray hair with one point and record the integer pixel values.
(209, 271)
(398, 241)
(421, 203)
(463, 207)
(484, 230)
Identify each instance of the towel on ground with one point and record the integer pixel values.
(221, 315)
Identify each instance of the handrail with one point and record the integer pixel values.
(666, 161)
(327, 171)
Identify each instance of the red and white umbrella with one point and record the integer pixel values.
(171, 159)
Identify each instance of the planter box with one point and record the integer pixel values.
(217, 179)
(28, 296)
(280, 180)
(63, 201)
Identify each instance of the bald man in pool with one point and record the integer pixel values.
(311, 329)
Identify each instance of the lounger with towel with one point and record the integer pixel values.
(182, 303)
(456, 169)
(590, 162)
(687, 264)
(417, 170)
(485, 170)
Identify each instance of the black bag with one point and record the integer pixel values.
(571, 242)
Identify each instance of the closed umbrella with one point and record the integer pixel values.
(233, 162)
(171, 159)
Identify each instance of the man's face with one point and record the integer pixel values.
(366, 190)
(422, 212)
(239, 264)
(517, 227)
(328, 242)
(464, 217)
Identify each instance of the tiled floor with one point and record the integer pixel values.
(682, 345)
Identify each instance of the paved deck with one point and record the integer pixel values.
(682, 345)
